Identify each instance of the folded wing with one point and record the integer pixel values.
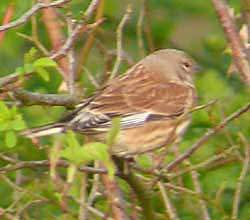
(136, 98)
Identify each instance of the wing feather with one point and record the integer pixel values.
(135, 97)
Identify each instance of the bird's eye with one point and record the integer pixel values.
(186, 66)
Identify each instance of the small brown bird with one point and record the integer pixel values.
(152, 99)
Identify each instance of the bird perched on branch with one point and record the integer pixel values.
(153, 99)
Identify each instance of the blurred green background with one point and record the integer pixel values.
(188, 25)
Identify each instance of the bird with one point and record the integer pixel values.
(152, 99)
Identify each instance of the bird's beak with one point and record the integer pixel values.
(198, 68)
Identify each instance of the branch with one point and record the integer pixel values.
(115, 198)
(139, 29)
(92, 7)
(243, 174)
(119, 31)
(234, 40)
(32, 98)
(172, 215)
(83, 55)
(7, 17)
(207, 163)
(56, 35)
(10, 79)
(207, 136)
(24, 18)
(81, 27)
(142, 193)
(197, 186)
(46, 163)
(245, 7)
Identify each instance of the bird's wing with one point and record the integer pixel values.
(137, 97)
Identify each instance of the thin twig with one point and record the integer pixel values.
(12, 78)
(79, 28)
(198, 189)
(91, 8)
(83, 55)
(245, 7)
(6, 19)
(237, 46)
(115, 199)
(91, 78)
(46, 163)
(205, 163)
(139, 29)
(24, 18)
(32, 98)
(83, 203)
(169, 207)
(119, 32)
(55, 35)
(181, 190)
(8, 159)
(95, 186)
(243, 174)
(71, 59)
(142, 193)
(207, 136)
(148, 30)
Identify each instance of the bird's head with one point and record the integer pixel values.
(173, 65)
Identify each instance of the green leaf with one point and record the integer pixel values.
(3, 125)
(44, 62)
(76, 155)
(30, 56)
(18, 124)
(28, 68)
(71, 140)
(43, 73)
(100, 151)
(10, 139)
(97, 151)
(13, 112)
(20, 70)
(114, 131)
(144, 161)
(4, 111)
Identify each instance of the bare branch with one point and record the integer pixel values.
(207, 136)
(139, 29)
(83, 55)
(81, 27)
(243, 174)
(119, 32)
(115, 199)
(82, 200)
(72, 63)
(32, 98)
(7, 17)
(142, 192)
(55, 35)
(10, 79)
(46, 163)
(92, 7)
(198, 189)
(238, 48)
(169, 207)
(205, 164)
(24, 18)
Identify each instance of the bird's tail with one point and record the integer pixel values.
(45, 130)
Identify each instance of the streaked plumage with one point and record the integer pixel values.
(150, 99)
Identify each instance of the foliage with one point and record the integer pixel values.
(188, 25)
